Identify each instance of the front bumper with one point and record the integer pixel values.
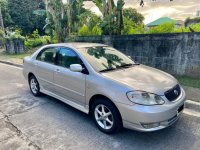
(152, 118)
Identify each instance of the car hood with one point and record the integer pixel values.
(143, 78)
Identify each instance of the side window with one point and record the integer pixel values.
(47, 55)
(67, 57)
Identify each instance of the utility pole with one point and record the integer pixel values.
(1, 20)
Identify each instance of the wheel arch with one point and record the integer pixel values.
(99, 96)
(30, 74)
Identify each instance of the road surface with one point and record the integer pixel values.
(27, 122)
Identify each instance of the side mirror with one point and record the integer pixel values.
(76, 68)
(129, 57)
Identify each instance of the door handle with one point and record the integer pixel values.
(57, 70)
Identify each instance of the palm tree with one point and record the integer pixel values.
(55, 10)
(112, 14)
(1, 20)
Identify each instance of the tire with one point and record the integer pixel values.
(108, 121)
(35, 89)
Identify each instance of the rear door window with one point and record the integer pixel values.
(47, 55)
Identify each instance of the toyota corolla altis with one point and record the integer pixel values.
(101, 81)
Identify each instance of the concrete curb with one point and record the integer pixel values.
(11, 63)
(189, 104)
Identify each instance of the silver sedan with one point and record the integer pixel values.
(101, 81)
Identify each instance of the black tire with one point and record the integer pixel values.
(35, 92)
(116, 117)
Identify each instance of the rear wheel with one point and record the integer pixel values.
(34, 86)
(106, 116)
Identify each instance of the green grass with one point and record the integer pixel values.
(188, 81)
(17, 56)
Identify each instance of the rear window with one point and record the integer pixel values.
(47, 55)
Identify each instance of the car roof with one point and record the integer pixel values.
(78, 44)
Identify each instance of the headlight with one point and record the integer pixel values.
(144, 98)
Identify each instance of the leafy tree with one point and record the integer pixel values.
(112, 15)
(131, 28)
(89, 18)
(132, 14)
(128, 26)
(5, 13)
(21, 12)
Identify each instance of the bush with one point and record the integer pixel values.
(32, 43)
(96, 31)
(131, 28)
(35, 34)
(181, 29)
(15, 35)
(36, 40)
(84, 31)
(196, 27)
(164, 28)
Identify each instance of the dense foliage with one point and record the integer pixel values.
(50, 21)
(21, 15)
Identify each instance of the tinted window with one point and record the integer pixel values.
(48, 55)
(66, 57)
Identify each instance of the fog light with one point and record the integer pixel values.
(150, 125)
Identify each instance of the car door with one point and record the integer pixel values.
(45, 66)
(68, 84)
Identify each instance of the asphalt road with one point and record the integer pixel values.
(27, 122)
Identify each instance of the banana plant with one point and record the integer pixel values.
(112, 15)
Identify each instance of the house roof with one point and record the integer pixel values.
(161, 21)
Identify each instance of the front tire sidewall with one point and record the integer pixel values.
(117, 125)
(37, 93)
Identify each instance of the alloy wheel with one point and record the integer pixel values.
(34, 86)
(104, 117)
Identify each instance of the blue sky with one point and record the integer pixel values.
(178, 9)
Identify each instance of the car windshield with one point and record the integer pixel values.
(103, 58)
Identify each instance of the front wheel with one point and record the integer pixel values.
(106, 116)
(34, 86)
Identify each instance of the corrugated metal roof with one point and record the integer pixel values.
(161, 21)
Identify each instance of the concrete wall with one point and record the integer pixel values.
(14, 46)
(174, 53)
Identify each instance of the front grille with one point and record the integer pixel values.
(173, 93)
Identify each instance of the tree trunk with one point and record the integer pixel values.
(1, 21)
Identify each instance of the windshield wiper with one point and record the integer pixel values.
(109, 69)
(118, 67)
(127, 65)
